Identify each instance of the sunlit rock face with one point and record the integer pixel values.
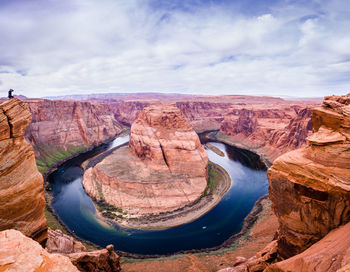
(331, 253)
(310, 187)
(164, 168)
(22, 203)
(20, 253)
(163, 136)
(270, 132)
(63, 128)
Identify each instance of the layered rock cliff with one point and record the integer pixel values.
(22, 204)
(331, 254)
(63, 128)
(269, 132)
(310, 187)
(164, 168)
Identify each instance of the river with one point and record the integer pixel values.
(76, 209)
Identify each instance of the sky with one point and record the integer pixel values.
(253, 47)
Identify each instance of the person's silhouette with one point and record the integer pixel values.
(10, 94)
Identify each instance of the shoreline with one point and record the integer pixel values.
(181, 216)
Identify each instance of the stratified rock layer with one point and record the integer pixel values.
(63, 128)
(58, 242)
(22, 204)
(20, 253)
(104, 260)
(310, 187)
(162, 135)
(164, 168)
(329, 254)
(270, 132)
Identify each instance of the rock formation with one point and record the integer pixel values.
(164, 137)
(310, 187)
(63, 128)
(20, 253)
(104, 260)
(269, 132)
(164, 168)
(58, 242)
(329, 254)
(22, 204)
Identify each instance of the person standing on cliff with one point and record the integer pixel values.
(10, 94)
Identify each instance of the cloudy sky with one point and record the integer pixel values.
(271, 47)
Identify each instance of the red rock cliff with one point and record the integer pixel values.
(310, 187)
(269, 132)
(22, 203)
(62, 128)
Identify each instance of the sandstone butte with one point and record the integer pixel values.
(310, 187)
(22, 203)
(164, 168)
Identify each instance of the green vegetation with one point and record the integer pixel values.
(213, 179)
(109, 211)
(50, 156)
(52, 222)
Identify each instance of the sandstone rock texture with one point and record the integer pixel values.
(310, 187)
(163, 136)
(62, 128)
(104, 260)
(58, 242)
(22, 204)
(20, 253)
(329, 254)
(164, 168)
(269, 132)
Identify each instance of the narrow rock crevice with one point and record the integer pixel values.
(164, 157)
(9, 123)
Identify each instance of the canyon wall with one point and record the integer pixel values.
(331, 254)
(63, 128)
(268, 132)
(22, 203)
(310, 187)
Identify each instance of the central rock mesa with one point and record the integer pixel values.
(164, 168)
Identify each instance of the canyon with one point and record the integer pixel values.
(309, 187)
(163, 169)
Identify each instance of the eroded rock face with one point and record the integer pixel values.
(58, 242)
(164, 168)
(329, 254)
(70, 126)
(310, 187)
(269, 132)
(104, 260)
(20, 253)
(163, 136)
(22, 204)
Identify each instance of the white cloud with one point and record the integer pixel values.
(129, 46)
